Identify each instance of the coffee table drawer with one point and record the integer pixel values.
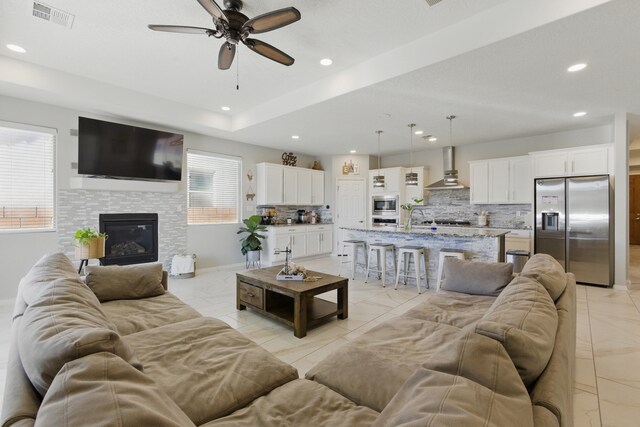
(250, 294)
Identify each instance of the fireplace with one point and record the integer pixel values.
(132, 238)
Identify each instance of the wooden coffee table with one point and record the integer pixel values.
(293, 303)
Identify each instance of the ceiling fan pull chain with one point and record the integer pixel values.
(238, 70)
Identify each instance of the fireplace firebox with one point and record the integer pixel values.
(132, 238)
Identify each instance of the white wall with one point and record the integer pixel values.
(214, 245)
(432, 158)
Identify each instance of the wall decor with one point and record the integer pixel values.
(316, 166)
(288, 159)
(250, 194)
(351, 168)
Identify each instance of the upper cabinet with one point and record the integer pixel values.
(501, 181)
(287, 185)
(592, 160)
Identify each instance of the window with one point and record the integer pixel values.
(213, 188)
(27, 177)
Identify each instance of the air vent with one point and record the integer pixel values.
(433, 2)
(51, 14)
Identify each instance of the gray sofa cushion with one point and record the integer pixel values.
(103, 390)
(299, 403)
(116, 282)
(524, 319)
(476, 278)
(135, 315)
(470, 381)
(546, 270)
(64, 321)
(452, 308)
(208, 368)
(371, 369)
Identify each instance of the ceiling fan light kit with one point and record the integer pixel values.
(235, 27)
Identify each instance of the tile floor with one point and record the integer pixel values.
(607, 388)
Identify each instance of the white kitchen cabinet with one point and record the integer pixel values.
(317, 188)
(498, 181)
(304, 187)
(269, 184)
(590, 160)
(479, 177)
(304, 240)
(290, 186)
(520, 180)
(393, 178)
(501, 181)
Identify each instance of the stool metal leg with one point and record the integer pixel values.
(416, 263)
(383, 256)
(354, 253)
(426, 271)
(366, 278)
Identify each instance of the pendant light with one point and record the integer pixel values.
(411, 179)
(378, 180)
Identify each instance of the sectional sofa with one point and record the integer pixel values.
(118, 349)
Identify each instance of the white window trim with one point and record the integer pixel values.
(54, 132)
(240, 175)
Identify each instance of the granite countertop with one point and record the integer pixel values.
(294, 224)
(426, 231)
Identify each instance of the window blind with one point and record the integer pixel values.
(213, 188)
(27, 177)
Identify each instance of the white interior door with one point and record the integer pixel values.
(350, 206)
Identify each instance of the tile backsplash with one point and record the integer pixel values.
(454, 204)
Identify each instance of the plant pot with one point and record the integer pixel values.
(92, 249)
(252, 258)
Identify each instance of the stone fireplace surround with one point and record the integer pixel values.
(81, 208)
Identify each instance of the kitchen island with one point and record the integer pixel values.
(478, 244)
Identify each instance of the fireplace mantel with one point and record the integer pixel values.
(107, 184)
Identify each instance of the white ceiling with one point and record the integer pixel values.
(498, 64)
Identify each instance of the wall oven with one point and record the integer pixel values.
(385, 205)
(384, 222)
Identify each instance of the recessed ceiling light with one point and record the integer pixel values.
(16, 48)
(326, 62)
(295, 136)
(580, 114)
(577, 67)
(419, 132)
(353, 151)
(433, 139)
(225, 108)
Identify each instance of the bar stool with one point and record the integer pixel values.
(417, 252)
(354, 245)
(381, 250)
(444, 253)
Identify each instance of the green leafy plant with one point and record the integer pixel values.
(84, 235)
(252, 240)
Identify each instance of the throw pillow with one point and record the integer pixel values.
(125, 281)
(546, 270)
(476, 278)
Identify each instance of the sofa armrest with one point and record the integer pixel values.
(165, 280)
(21, 401)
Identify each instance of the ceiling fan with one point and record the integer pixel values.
(236, 27)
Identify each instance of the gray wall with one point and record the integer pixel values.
(20, 250)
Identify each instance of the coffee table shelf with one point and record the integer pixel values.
(292, 303)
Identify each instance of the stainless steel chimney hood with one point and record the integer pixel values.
(450, 180)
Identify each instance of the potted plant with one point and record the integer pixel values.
(251, 243)
(89, 244)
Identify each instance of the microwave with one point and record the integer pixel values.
(385, 205)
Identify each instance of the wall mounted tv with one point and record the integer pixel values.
(115, 150)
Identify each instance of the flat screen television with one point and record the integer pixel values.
(115, 150)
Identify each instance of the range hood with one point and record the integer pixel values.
(450, 180)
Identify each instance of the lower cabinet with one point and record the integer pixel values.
(303, 240)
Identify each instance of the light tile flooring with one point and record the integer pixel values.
(607, 388)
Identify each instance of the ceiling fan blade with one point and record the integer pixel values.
(272, 20)
(269, 51)
(182, 29)
(214, 10)
(225, 57)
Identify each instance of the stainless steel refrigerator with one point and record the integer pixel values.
(574, 224)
